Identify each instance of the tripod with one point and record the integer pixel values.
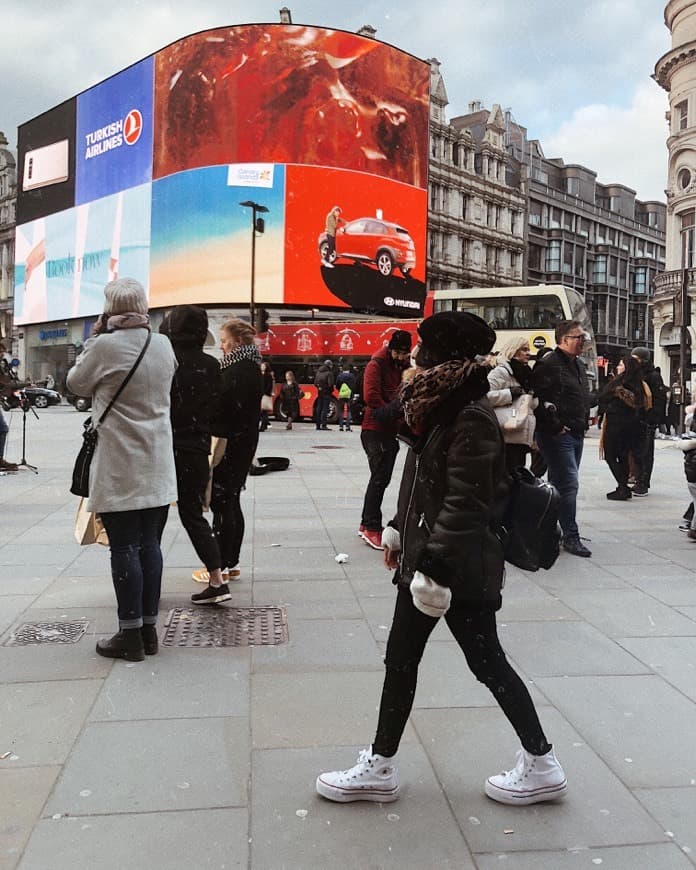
(26, 407)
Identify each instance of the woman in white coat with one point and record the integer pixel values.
(132, 479)
(509, 381)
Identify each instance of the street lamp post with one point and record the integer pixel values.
(255, 209)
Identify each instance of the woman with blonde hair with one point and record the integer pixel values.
(235, 436)
(509, 382)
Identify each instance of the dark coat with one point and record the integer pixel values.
(324, 380)
(380, 389)
(561, 380)
(195, 398)
(238, 415)
(655, 415)
(290, 395)
(452, 494)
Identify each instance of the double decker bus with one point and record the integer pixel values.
(531, 312)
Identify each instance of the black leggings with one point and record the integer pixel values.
(475, 632)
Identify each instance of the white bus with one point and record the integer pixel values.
(532, 312)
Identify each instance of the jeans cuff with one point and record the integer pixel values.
(130, 623)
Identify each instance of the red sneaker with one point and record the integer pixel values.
(374, 539)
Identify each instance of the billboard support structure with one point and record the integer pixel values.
(261, 209)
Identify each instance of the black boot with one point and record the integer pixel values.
(125, 644)
(621, 493)
(150, 642)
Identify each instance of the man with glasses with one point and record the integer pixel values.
(560, 384)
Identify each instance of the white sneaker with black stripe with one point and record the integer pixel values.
(373, 778)
(533, 779)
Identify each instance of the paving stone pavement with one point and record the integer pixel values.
(206, 758)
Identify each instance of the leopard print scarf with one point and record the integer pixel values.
(428, 388)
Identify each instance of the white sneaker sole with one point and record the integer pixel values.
(521, 798)
(369, 542)
(217, 600)
(347, 795)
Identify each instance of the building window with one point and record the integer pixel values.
(640, 280)
(688, 220)
(553, 256)
(684, 178)
(599, 269)
(555, 218)
(567, 259)
(465, 206)
(682, 110)
(573, 186)
(535, 214)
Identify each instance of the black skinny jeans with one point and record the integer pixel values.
(136, 562)
(381, 453)
(475, 632)
(192, 471)
(229, 478)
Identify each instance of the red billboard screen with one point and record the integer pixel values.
(327, 131)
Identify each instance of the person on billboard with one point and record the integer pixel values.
(333, 221)
(195, 397)
(445, 547)
(381, 384)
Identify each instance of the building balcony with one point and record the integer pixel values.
(668, 284)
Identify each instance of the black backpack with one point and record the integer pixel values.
(530, 534)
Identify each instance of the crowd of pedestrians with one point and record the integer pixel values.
(185, 430)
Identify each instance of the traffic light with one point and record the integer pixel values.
(261, 324)
(260, 225)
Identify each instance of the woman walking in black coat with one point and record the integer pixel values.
(290, 395)
(449, 562)
(623, 400)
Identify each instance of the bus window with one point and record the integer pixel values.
(494, 311)
(536, 312)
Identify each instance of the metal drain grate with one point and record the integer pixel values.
(227, 626)
(48, 632)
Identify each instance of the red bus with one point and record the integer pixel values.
(302, 347)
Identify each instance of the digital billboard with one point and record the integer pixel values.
(296, 119)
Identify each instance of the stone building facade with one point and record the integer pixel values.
(8, 196)
(676, 73)
(501, 213)
(476, 214)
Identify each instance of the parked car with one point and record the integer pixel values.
(80, 403)
(39, 397)
(370, 240)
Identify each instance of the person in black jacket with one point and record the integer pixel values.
(236, 434)
(653, 417)
(194, 402)
(324, 382)
(622, 403)
(445, 545)
(560, 384)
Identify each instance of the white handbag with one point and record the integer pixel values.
(517, 420)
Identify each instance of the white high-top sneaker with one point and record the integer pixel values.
(373, 778)
(533, 779)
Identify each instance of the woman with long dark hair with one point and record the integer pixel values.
(448, 555)
(622, 402)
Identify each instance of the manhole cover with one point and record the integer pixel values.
(227, 626)
(48, 632)
(327, 447)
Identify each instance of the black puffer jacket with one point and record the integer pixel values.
(561, 380)
(452, 492)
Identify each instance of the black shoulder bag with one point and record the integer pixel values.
(80, 475)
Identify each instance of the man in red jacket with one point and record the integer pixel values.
(383, 413)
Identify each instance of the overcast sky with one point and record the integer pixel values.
(577, 75)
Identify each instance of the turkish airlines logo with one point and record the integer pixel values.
(132, 127)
